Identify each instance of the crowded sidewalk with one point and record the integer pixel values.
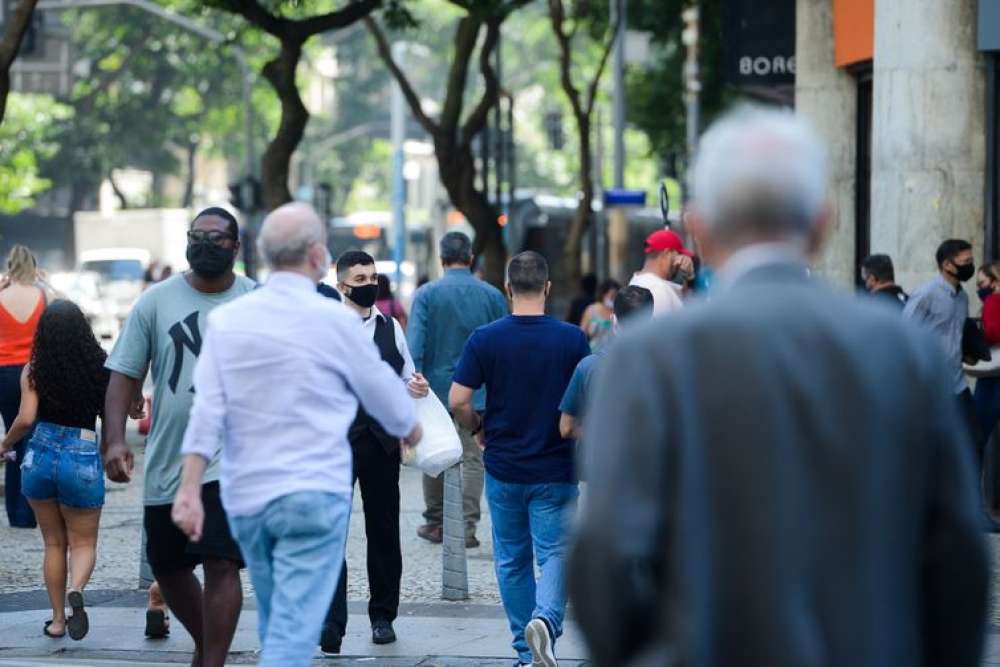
(431, 632)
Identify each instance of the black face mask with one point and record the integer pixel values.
(965, 271)
(210, 260)
(364, 295)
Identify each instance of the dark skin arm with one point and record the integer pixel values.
(123, 399)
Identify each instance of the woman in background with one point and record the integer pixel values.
(22, 301)
(596, 320)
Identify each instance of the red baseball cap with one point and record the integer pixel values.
(664, 239)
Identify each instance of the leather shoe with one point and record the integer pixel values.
(431, 533)
(382, 632)
(329, 641)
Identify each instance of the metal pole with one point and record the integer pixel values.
(619, 11)
(601, 228)
(692, 84)
(398, 136)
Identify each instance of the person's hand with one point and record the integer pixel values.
(684, 265)
(414, 437)
(119, 462)
(480, 440)
(137, 410)
(418, 386)
(188, 513)
(7, 456)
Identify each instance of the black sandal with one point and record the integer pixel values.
(78, 624)
(156, 624)
(45, 631)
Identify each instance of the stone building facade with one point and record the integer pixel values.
(904, 93)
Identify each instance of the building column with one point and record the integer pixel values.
(928, 158)
(827, 97)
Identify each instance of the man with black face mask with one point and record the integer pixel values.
(943, 306)
(376, 462)
(165, 330)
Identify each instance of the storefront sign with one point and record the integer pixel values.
(759, 42)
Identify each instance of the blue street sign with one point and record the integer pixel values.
(616, 197)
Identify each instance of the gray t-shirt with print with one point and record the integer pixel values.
(166, 328)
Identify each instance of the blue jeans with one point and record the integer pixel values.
(63, 464)
(526, 517)
(294, 550)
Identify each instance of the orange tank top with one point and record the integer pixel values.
(17, 337)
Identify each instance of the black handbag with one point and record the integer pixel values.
(974, 345)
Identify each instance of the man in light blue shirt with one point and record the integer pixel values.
(279, 381)
(444, 315)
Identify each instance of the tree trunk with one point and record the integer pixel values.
(457, 169)
(17, 25)
(192, 154)
(275, 165)
(118, 193)
(584, 211)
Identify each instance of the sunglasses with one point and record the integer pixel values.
(199, 236)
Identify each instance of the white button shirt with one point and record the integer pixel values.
(277, 383)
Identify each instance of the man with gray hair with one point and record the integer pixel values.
(765, 490)
(279, 380)
(444, 314)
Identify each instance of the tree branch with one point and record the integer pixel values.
(557, 14)
(256, 15)
(411, 96)
(479, 116)
(466, 36)
(609, 46)
(334, 20)
(17, 26)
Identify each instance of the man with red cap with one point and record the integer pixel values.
(666, 257)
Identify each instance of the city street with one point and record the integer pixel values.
(431, 631)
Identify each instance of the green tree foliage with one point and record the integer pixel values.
(150, 96)
(25, 139)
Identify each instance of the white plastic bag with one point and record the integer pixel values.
(440, 448)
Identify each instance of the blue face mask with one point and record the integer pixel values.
(984, 293)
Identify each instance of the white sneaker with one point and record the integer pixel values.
(540, 642)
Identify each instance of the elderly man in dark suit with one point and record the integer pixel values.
(778, 476)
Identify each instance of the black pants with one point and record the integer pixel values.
(19, 512)
(378, 474)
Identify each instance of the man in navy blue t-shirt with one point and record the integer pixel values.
(525, 360)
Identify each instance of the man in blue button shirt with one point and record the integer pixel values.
(444, 315)
(525, 361)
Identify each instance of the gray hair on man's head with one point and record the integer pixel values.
(760, 174)
(287, 233)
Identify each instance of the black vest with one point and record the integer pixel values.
(364, 424)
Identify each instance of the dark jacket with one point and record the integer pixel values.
(780, 477)
(894, 295)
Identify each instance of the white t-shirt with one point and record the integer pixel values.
(665, 298)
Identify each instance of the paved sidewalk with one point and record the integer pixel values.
(429, 634)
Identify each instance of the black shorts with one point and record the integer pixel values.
(168, 549)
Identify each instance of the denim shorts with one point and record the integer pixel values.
(63, 464)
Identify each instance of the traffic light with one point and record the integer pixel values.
(553, 123)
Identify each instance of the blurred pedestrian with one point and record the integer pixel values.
(279, 383)
(22, 301)
(445, 313)
(164, 333)
(631, 303)
(62, 394)
(375, 456)
(879, 279)
(987, 394)
(666, 260)
(596, 320)
(587, 292)
(525, 362)
(942, 307)
(387, 303)
(765, 489)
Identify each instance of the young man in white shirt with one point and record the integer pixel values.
(666, 257)
(278, 384)
(376, 462)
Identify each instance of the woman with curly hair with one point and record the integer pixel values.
(62, 394)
